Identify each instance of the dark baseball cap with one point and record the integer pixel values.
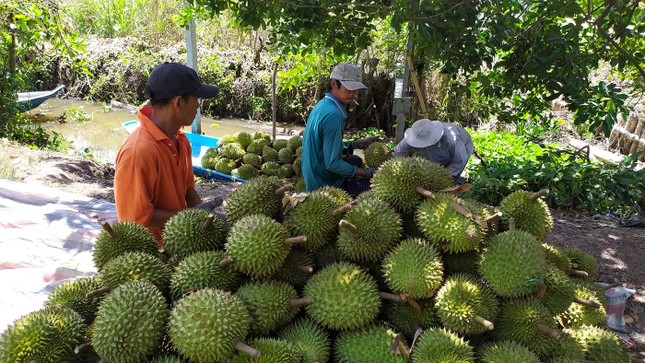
(168, 80)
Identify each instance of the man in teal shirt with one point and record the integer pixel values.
(323, 147)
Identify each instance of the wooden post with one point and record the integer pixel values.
(417, 87)
(638, 132)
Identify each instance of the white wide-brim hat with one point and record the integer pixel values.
(424, 133)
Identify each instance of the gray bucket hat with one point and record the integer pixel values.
(424, 133)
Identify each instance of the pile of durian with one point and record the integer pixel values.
(407, 272)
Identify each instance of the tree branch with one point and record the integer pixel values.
(632, 60)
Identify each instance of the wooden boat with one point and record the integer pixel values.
(30, 100)
(199, 144)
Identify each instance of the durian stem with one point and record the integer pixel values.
(283, 189)
(294, 240)
(107, 228)
(342, 210)
(540, 290)
(494, 218)
(83, 347)
(208, 221)
(99, 292)
(424, 192)
(511, 224)
(303, 301)
(305, 269)
(242, 347)
(345, 224)
(610, 286)
(548, 330)
(586, 302)
(458, 188)
(227, 261)
(391, 297)
(485, 323)
(537, 195)
(465, 212)
(578, 273)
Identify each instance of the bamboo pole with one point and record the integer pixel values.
(417, 87)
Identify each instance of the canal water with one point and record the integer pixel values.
(102, 135)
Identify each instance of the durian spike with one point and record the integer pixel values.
(283, 189)
(304, 268)
(511, 224)
(586, 302)
(83, 347)
(99, 292)
(424, 192)
(227, 261)
(537, 195)
(345, 224)
(294, 240)
(494, 218)
(484, 322)
(578, 273)
(303, 301)
(548, 330)
(246, 349)
(342, 210)
(208, 221)
(107, 228)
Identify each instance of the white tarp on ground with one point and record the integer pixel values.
(46, 237)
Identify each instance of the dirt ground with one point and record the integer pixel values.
(618, 249)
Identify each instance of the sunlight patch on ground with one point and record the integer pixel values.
(611, 259)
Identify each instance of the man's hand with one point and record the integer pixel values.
(367, 173)
(365, 142)
(211, 204)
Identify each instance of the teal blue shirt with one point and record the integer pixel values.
(323, 146)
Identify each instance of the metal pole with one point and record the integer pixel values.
(191, 61)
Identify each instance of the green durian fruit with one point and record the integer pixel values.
(560, 290)
(465, 306)
(259, 195)
(507, 351)
(269, 154)
(566, 350)
(528, 322)
(201, 270)
(296, 269)
(245, 172)
(338, 195)
(438, 345)
(297, 166)
(121, 237)
(326, 256)
(210, 157)
(129, 323)
(583, 261)
(258, 245)
(285, 171)
(313, 217)
(194, 230)
(311, 340)
(413, 268)
(513, 264)
(252, 159)
(286, 156)
(244, 139)
(73, 294)
(228, 139)
(530, 213)
(206, 325)
(47, 335)
(369, 230)
(224, 165)
(441, 222)
(268, 305)
(134, 266)
(270, 168)
(342, 296)
(299, 185)
(466, 262)
(256, 146)
(298, 152)
(377, 153)
(369, 344)
(294, 142)
(279, 144)
(579, 312)
(557, 257)
(397, 179)
(600, 345)
(271, 350)
(232, 151)
(166, 359)
(407, 319)
(262, 135)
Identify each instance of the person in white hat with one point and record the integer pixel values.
(327, 160)
(441, 142)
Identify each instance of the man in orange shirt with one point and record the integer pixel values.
(154, 173)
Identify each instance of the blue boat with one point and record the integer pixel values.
(199, 144)
(30, 100)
